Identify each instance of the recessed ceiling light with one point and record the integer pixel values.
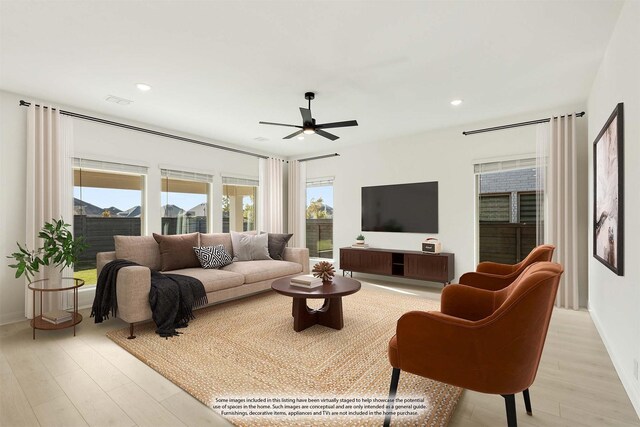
(456, 102)
(143, 87)
(301, 137)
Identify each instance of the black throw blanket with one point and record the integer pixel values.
(172, 297)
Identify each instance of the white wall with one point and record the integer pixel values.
(445, 156)
(101, 142)
(614, 301)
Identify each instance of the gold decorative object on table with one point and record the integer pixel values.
(324, 270)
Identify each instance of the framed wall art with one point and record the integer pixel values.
(608, 193)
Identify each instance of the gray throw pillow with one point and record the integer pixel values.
(235, 239)
(277, 243)
(248, 247)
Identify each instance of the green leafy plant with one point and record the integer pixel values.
(59, 248)
(360, 237)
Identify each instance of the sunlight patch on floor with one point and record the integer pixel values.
(389, 288)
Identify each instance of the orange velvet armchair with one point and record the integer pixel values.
(486, 341)
(493, 276)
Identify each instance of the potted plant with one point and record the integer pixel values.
(59, 249)
(360, 239)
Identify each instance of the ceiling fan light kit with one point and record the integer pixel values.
(309, 125)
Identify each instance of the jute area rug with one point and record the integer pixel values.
(247, 350)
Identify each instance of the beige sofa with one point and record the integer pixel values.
(239, 279)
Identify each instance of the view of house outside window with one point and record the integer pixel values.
(185, 205)
(508, 205)
(105, 204)
(319, 219)
(239, 205)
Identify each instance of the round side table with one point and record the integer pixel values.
(66, 284)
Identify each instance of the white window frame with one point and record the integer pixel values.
(206, 178)
(231, 179)
(320, 182)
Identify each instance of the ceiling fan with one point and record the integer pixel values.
(309, 125)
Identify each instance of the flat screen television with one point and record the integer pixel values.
(402, 208)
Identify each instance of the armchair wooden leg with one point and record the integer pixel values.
(395, 377)
(510, 403)
(527, 401)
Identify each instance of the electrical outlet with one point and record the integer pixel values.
(635, 368)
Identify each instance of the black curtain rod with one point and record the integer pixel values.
(319, 157)
(145, 130)
(514, 125)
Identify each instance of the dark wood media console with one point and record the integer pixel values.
(398, 263)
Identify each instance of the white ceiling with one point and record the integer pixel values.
(219, 67)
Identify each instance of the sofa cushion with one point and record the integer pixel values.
(177, 251)
(143, 250)
(214, 239)
(277, 243)
(213, 280)
(213, 256)
(248, 247)
(256, 271)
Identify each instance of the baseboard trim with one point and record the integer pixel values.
(14, 317)
(631, 386)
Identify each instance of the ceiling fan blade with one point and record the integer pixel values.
(280, 124)
(296, 133)
(337, 124)
(327, 135)
(306, 115)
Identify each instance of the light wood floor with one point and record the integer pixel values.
(59, 380)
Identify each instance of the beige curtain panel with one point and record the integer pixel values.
(49, 192)
(297, 203)
(271, 196)
(557, 150)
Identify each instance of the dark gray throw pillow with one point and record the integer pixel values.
(213, 256)
(277, 243)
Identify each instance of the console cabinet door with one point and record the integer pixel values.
(364, 261)
(426, 267)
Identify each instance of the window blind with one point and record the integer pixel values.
(505, 165)
(229, 180)
(320, 182)
(186, 176)
(109, 166)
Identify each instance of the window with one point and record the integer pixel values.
(185, 202)
(239, 198)
(495, 207)
(108, 201)
(319, 218)
(529, 205)
(510, 204)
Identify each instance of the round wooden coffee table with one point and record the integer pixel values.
(330, 314)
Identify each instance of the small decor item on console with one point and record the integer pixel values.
(324, 270)
(431, 245)
(359, 242)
